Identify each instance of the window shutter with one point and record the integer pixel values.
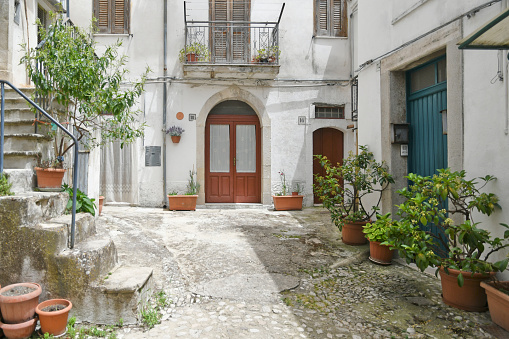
(321, 17)
(339, 18)
(120, 17)
(240, 12)
(101, 12)
(219, 12)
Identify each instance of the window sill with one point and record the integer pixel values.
(229, 71)
(123, 35)
(329, 37)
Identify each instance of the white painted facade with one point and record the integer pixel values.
(396, 36)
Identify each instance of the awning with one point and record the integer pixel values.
(492, 35)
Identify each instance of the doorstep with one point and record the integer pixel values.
(232, 206)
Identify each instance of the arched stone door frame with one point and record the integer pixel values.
(235, 93)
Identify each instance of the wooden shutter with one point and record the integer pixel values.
(112, 16)
(339, 18)
(240, 12)
(321, 17)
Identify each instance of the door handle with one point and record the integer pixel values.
(234, 161)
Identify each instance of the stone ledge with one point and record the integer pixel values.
(248, 71)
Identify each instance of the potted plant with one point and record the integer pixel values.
(498, 301)
(269, 54)
(53, 315)
(101, 204)
(194, 52)
(18, 302)
(376, 233)
(437, 229)
(83, 89)
(175, 133)
(187, 201)
(345, 188)
(284, 202)
(50, 173)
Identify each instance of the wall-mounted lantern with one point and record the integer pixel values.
(444, 121)
(399, 133)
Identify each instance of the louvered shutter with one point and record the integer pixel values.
(101, 13)
(119, 15)
(322, 17)
(112, 16)
(240, 12)
(339, 18)
(219, 12)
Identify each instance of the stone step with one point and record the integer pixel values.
(119, 295)
(85, 228)
(32, 208)
(22, 159)
(10, 93)
(22, 180)
(27, 142)
(16, 103)
(23, 113)
(24, 126)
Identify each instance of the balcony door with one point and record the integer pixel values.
(232, 154)
(229, 40)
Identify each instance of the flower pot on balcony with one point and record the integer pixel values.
(287, 202)
(182, 202)
(192, 57)
(18, 302)
(53, 315)
(49, 178)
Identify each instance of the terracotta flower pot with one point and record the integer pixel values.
(182, 202)
(192, 57)
(49, 177)
(498, 303)
(101, 204)
(54, 322)
(175, 139)
(471, 296)
(352, 233)
(380, 254)
(19, 331)
(287, 202)
(20, 308)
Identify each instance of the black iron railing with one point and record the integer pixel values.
(43, 112)
(231, 42)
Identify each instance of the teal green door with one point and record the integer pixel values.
(427, 97)
(427, 149)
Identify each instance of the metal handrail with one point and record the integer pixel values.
(76, 146)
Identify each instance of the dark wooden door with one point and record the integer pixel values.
(327, 142)
(232, 159)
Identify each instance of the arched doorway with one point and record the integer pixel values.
(232, 154)
(327, 142)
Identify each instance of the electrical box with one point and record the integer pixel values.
(152, 155)
(399, 133)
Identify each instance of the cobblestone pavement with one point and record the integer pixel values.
(255, 273)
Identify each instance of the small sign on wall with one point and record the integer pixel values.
(404, 150)
(192, 117)
(302, 120)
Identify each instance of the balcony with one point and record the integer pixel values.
(231, 49)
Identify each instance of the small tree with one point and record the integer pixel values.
(81, 87)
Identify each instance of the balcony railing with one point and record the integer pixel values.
(232, 42)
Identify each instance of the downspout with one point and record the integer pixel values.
(67, 8)
(505, 55)
(165, 67)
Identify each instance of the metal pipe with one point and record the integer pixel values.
(2, 107)
(76, 147)
(67, 8)
(505, 64)
(165, 68)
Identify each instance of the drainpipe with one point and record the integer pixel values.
(505, 55)
(165, 67)
(67, 8)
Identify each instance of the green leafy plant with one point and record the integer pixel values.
(175, 131)
(193, 187)
(345, 186)
(284, 185)
(269, 54)
(377, 231)
(84, 87)
(459, 244)
(297, 188)
(5, 186)
(201, 51)
(84, 204)
(173, 192)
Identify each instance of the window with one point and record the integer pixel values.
(330, 18)
(112, 16)
(230, 42)
(329, 112)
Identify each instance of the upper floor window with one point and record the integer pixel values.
(330, 18)
(329, 112)
(112, 16)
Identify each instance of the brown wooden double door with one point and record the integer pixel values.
(232, 159)
(327, 142)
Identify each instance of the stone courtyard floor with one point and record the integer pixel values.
(257, 273)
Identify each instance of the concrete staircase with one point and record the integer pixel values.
(35, 237)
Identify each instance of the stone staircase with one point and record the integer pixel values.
(35, 238)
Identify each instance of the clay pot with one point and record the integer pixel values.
(49, 177)
(380, 254)
(21, 308)
(192, 57)
(498, 303)
(287, 202)
(55, 322)
(19, 331)
(352, 233)
(182, 202)
(175, 139)
(101, 204)
(471, 296)
(295, 193)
